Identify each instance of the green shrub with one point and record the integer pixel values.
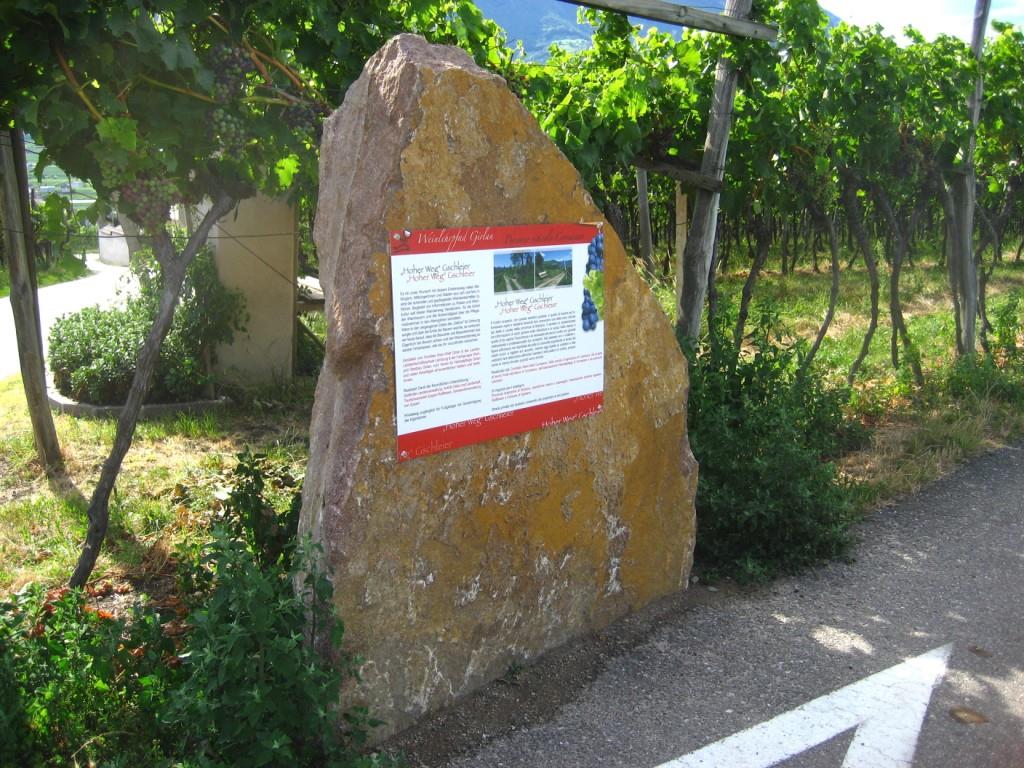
(247, 656)
(253, 516)
(981, 377)
(1008, 323)
(93, 352)
(246, 688)
(997, 375)
(208, 313)
(261, 608)
(259, 507)
(768, 498)
(79, 687)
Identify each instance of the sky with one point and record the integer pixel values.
(931, 17)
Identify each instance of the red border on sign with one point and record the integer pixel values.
(410, 242)
(413, 445)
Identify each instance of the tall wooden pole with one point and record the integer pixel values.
(701, 241)
(681, 229)
(17, 235)
(644, 211)
(965, 194)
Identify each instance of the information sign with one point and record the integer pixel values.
(498, 330)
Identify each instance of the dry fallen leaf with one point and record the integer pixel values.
(967, 716)
(977, 650)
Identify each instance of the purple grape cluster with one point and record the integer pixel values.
(303, 117)
(231, 65)
(589, 312)
(595, 263)
(595, 253)
(223, 92)
(148, 200)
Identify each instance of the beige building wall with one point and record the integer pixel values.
(256, 250)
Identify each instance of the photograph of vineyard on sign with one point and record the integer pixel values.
(498, 330)
(526, 271)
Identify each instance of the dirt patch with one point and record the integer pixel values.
(120, 590)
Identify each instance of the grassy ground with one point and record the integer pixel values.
(801, 300)
(170, 477)
(67, 268)
(917, 435)
(176, 465)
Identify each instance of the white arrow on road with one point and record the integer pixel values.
(887, 709)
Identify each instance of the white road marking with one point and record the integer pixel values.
(887, 709)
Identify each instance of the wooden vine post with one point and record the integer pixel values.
(709, 180)
(24, 302)
(965, 196)
(681, 230)
(730, 23)
(701, 241)
(644, 208)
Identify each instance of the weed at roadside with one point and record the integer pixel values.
(769, 499)
(80, 686)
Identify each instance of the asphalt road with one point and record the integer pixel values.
(100, 286)
(938, 579)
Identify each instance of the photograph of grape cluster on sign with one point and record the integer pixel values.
(593, 283)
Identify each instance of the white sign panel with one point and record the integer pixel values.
(498, 330)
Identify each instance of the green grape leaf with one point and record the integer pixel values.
(594, 282)
(122, 131)
(286, 168)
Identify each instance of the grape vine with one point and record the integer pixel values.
(158, 104)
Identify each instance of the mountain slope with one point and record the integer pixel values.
(541, 23)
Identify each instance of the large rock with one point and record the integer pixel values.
(449, 568)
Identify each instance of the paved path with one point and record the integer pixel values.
(99, 287)
(938, 579)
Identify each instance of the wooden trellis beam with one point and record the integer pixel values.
(681, 173)
(683, 15)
